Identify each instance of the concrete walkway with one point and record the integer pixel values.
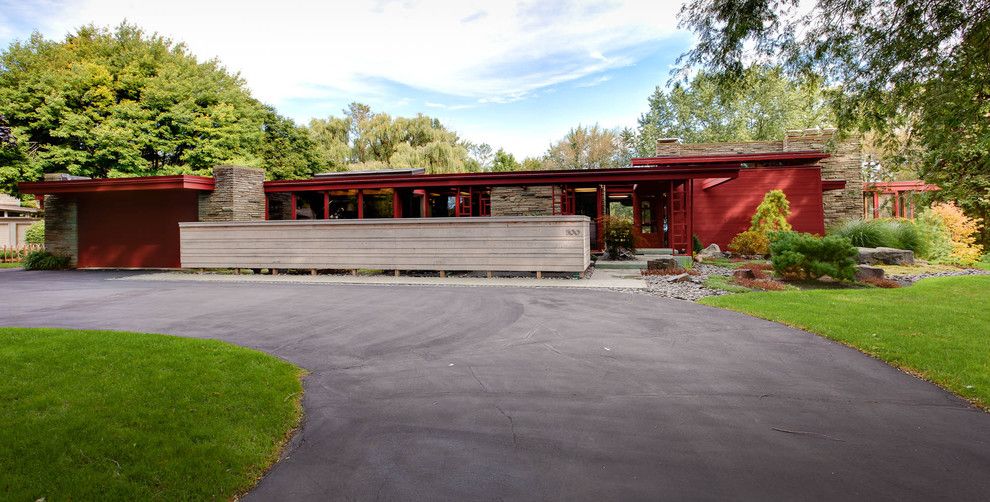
(601, 279)
(442, 393)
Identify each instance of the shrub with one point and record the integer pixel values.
(771, 215)
(961, 231)
(890, 233)
(750, 242)
(43, 260)
(696, 244)
(618, 236)
(761, 284)
(805, 256)
(35, 234)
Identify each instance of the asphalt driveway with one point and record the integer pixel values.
(446, 393)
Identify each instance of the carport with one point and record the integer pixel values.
(124, 222)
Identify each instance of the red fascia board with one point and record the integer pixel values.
(176, 182)
(833, 185)
(810, 155)
(517, 178)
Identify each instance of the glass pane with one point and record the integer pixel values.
(343, 205)
(309, 205)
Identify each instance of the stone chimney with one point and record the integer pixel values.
(238, 195)
(845, 163)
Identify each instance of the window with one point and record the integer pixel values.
(378, 204)
(343, 205)
(309, 205)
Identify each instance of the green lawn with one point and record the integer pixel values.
(102, 415)
(11, 265)
(938, 328)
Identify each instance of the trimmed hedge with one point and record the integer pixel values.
(805, 256)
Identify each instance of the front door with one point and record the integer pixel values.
(648, 217)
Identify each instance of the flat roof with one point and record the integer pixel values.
(371, 172)
(643, 169)
(175, 182)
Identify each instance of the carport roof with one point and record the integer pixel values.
(176, 182)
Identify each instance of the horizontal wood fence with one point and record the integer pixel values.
(524, 243)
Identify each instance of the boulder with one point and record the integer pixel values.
(679, 278)
(743, 273)
(864, 272)
(710, 252)
(662, 263)
(886, 256)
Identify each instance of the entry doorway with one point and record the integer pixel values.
(650, 220)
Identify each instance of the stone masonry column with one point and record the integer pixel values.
(522, 201)
(61, 227)
(238, 195)
(845, 163)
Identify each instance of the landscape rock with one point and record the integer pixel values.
(662, 263)
(743, 273)
(710, 252)
(864, 272)
(885, 256)
(679, 278)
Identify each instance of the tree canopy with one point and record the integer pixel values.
(915, 74)
(121, 102)
(583, 147)
(762, 105)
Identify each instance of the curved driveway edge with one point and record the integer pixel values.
(526, 394)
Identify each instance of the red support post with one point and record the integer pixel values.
(897, 195)
(396, 205)
(326, 205)
(876, 205)
(266, 207)
(293, 198)
(360, 204)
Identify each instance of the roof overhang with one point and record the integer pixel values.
(833, 185)
(514, 178)
(176, 182)
(782, 158)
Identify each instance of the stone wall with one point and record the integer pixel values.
(845, 163)
(522, 201)
(61, 227)
(280, 206)
(238, 195)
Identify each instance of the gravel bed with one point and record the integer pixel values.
(692, 289)
(912, 278)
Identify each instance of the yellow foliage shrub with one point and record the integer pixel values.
(750, 242)
(962, 230)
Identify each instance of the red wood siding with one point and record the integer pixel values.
(723, 211)
(133, 229)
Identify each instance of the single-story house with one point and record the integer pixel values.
(705, 190)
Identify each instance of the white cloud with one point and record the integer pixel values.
(488, 52)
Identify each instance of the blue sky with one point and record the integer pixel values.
(516, 75)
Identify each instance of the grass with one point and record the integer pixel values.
(936, 329)
(728, 263)
(723, 283)
(103, 415)
(15, 264)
